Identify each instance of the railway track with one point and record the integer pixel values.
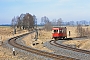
(13, 42)
(53, 42)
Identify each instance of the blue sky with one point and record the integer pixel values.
(68, 10)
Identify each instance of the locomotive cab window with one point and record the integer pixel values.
(55, 31)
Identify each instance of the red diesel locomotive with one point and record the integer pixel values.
(59, 32)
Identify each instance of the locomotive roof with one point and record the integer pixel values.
(59, 28)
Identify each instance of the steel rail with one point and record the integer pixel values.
(13, 42)
(68, 47)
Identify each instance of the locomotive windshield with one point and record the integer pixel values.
(55, 31)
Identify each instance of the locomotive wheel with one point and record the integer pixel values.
(56, 38)
(63, 37)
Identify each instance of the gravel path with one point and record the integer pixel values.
(68, 53)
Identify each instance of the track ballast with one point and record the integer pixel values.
(53, 42)
(13, 42)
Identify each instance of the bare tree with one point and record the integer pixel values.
(35, 21)
(72, 23)
(81, 32)
(48, 26)
(44, 20)
(18, 22)
(59, 22)
(77, 22)
(84, 22)
(28, 21)
(25, 20)
(13, 22)
(54, 22)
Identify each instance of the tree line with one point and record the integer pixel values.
(28, 21)
(60, 22)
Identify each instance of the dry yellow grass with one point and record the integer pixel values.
(47, 35)
(43, 37)
(78, 43)
(81, 44)
(85, 45)
(7, 32)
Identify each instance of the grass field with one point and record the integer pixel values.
(6, 32)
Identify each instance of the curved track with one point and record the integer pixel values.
(53, 42)
(13, 42)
